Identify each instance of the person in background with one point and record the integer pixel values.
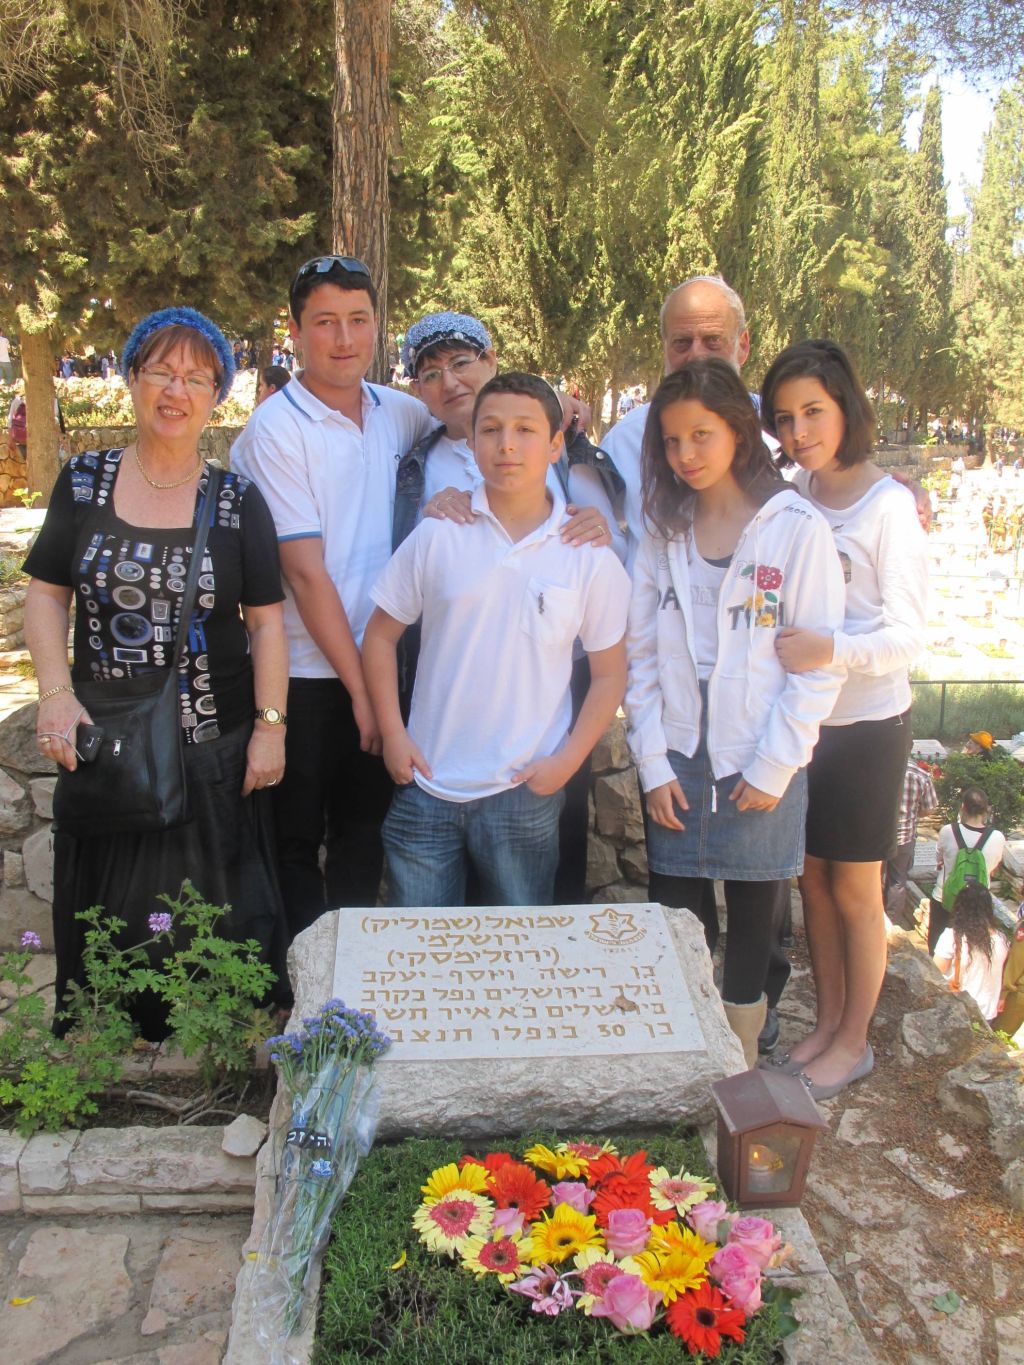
(918, 796)
(270, 380)
(970, 830)
(6, 367)
(17, 422)
(1011, 1006)
(972, 950)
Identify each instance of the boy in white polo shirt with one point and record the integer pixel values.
(324, 451)
(481, 768)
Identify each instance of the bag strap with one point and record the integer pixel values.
(961, 842)
(188, 597)
(989, 829)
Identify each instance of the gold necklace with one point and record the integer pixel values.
(178, 482)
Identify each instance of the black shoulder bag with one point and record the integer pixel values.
(136, 783)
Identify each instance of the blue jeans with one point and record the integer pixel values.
(511, 839)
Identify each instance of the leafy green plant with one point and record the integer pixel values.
(26, 497)
(211, 985)
(10, 569)
(1001, 779)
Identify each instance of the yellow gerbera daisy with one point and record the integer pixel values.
(506, 1258)
(448, 1223)
(681, 1267)
(447, 1178)
(597, 1268)
(679, 1192)
(565, 1233)
(558, 1163)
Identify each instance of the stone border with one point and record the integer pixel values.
(124, 1170)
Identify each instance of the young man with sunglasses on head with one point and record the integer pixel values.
(325, 454)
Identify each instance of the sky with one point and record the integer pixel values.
(967, 108)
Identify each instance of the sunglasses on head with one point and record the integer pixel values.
(320, 265)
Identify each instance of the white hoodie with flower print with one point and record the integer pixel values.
(762, 721)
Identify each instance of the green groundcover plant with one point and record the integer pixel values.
(212, 986)
(387, 1298)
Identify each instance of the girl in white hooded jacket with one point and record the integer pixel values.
(719, 730)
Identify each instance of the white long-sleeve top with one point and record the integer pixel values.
(884, 556)
(762, 721)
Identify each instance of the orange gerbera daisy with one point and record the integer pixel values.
(492, 1162)
(701, 1319)
(635, 1167)
(514, 1186)
(619, 1191)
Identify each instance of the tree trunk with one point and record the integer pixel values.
(361, 117)
(43, 435)
(263, 348)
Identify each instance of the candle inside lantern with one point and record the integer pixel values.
(765, 1171)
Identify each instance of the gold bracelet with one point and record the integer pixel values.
(45, 696)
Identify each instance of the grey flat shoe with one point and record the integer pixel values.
(827, 1092)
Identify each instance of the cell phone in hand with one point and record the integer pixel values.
(88, 741)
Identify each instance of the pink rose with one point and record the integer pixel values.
(508, 1221)
(739, 1276)
(628, 1303)
(574, 1193)
(757, 1237)
(627, 1232)
(705, 1218)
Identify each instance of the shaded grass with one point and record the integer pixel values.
(996, 707)
(431, 1312)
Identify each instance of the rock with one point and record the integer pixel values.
(220, 1201)
(602, 865)
(633, 860)
(19, 749)
(917, 1170)
(907, 963)
(942, 1031)
(15, 811)
(20, 910)
(78, 1284)
(608, 1067)
(244, 1136)
(620, 893)
(952, 1148)
(827, 1328)
(1010, 1340)
(611, 751)
(1013, 857)
(155, 1161)
(207, 1351)
(859, 1126)
(11, 1148)
(196, 1273)
(617, 803)
(882, 1204)
(43, 1164)
(987, 1091)
(37, 852)
(155, 1321)
(42, 789)
(1012, 1181)
(90, 1205)
(14, 869)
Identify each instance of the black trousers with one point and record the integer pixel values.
(334, 795)
(753, 911)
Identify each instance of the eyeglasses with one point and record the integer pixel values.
(456, 368)
(160, 379)
(320, 265)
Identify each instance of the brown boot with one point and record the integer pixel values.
(747, 1021)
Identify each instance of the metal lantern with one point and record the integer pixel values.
(767, 1123)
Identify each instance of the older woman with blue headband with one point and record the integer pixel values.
(117, 541)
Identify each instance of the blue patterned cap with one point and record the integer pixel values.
(450, 329)
(181, 317)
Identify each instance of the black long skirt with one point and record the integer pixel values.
(226, 851)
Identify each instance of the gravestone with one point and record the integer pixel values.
(502, 1019)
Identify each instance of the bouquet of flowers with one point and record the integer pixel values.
(579, 1228)
(327, 1069)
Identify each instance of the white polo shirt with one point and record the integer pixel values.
(499, 621)
(322, 477)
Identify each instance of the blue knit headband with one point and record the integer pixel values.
(437, 329)
(181, 317)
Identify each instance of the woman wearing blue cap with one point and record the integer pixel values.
(117, 540)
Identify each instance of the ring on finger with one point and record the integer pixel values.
(44, 739)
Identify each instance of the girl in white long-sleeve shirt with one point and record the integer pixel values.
(816, 405)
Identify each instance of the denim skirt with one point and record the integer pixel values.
(722, 842)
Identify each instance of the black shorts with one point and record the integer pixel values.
(854, 782)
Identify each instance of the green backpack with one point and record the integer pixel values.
(968, 866)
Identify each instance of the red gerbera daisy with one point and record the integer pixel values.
(701, 1318)
(620, 1191)
(635, 1167)
(514, 1186)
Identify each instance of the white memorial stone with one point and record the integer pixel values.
(502, 1019)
